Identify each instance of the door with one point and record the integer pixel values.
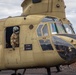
(12, 56)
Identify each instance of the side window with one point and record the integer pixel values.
(42, 30)
(12, 36)
(39, 30)
(68, 29)
(46, 45)
(45, 30)
(72, 29)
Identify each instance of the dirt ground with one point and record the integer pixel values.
(71, 70)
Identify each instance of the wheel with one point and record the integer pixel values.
(19, 74)
(13, 74)
(16, 74)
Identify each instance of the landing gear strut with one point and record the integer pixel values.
(48, 71)
(19, 73)
(58, 68)
(24, 71)
(14, 73)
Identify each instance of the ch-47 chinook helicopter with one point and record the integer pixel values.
(38, 47)
(54, 8)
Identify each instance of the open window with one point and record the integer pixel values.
(8, 33)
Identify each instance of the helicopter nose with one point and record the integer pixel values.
(72, 53)
(64, 49)
(68, 54)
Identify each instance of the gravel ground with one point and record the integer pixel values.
(71, 70)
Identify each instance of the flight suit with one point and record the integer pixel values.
(14, 40)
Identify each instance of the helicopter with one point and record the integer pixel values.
(38, 47)
(55, 8)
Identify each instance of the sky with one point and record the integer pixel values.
(13, 8)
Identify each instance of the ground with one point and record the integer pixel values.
(71, 70)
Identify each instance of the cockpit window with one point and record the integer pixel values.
(57, 27)
(60, 44)
(42, 30)
(56, 20)
(60, 27)
(45, 30)
(68, 29)
(36, 1)
(72, 28)
(47, 20)
(39, 30)
(59, 41)
(46, 45)
(53, 28)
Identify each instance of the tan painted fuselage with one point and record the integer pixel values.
(30, 53)
(21, 58)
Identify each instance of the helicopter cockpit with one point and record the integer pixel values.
(48, 27)
(64, 49)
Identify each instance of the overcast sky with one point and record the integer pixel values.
(13, 8)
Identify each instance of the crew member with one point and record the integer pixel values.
(15, 37)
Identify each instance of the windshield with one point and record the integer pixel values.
(57, 27)
(53, 28)
(69, 29)
(60, 27)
